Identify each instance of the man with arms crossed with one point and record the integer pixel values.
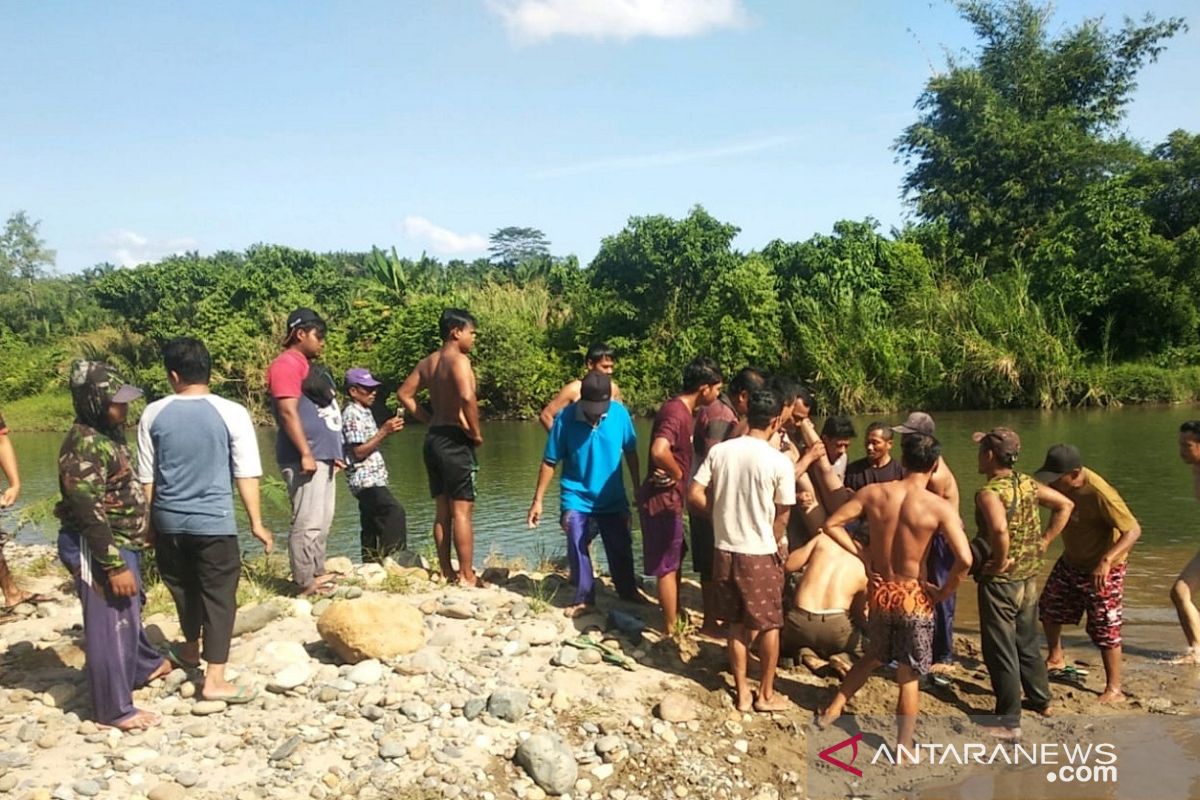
(451, 441)
(748, 488)
(192, 446)
(1090, 574)
(600, 357)
(902, 517)
(1188, 582)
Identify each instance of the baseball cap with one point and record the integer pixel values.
(1001, 441)
(299, 319)
(595, 396)
(917, 422)
(361, 376)
(1060, 459)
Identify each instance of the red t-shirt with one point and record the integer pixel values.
(673, 422)
(286, 375)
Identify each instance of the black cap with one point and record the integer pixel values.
(1060, 459)
(300, 319)
(595, 396)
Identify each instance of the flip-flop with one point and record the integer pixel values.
(1069, 673)
(33, 600)
(244, 694)
(172, 654)
(606, 653)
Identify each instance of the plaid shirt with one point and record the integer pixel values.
(358, 427)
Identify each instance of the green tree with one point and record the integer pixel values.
(1009, 140)
(512, 245)
(23, 254)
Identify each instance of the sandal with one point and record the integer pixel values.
(606, 653)
(244, 694)
(33, 600)
(1067, 673)
(173, 655)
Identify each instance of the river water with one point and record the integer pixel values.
(1134, 448)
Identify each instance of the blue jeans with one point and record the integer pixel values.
(615, 532)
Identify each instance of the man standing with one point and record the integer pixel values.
(451, 440)
(942, 483)
(13, 594)
(1090, 574)
(902, 517)
(1006, 510)
(308, 448)
(661, 496)
(878, 466)
(600, 357)
(1188, 582)
(715, 423)
(193, 445)
(589, 438)
(384, 522)
(836, 435)
(748, 488)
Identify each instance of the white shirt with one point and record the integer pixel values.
(748, 478)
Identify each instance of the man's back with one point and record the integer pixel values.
(902, 518)
(439, 371)
(832, 578)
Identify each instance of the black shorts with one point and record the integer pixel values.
(450, 462)
(701, 531)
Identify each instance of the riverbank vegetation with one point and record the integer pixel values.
(1051, 261)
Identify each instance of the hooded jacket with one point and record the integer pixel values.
(102, 500)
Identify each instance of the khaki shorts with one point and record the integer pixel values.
(827, 633)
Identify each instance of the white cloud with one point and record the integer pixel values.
(539, 20)
(129, 248)
(667, 158)
(442, 240)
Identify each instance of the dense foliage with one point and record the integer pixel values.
(1053, 261)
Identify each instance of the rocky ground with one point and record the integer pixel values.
(485, 702)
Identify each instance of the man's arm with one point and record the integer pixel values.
(464, 384)
(798, 558)
(362, 450)
(699, 501)
(293, 428)
(634, 464)
(662, 458)
(545, 473)
(407, 394)
(782, 514)
(951, 493)
(566, 395)
(8, 465)
(247, 489)
(835, 526)
(1060, 507)
(996, 518)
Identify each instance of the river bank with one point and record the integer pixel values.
(447, 720)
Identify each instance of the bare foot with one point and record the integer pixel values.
(813, 661)
(944, 668)
(1188, 657)
(745, 702)
(576, 611)
(473, 581)
(318, 590)
(839, 665)
(1114, 695)
(140, 721)
(824, 719)
(776, 702)
(162, 669)
(1047, 711)
(1002, 733)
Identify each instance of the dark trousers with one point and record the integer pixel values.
(202, 572)
(384, 523)
(615, 532)
(1011, 648)
(937, 567)
(119, 656)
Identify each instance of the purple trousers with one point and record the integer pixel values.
(937, 568)
(614, 530)
(119, 656)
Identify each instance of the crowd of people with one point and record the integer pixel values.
(800, 551)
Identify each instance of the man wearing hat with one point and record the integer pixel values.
(384, 522)
(1006, 511)
(942, 483)
(589, 438)
(1090, 574)
(308, 447)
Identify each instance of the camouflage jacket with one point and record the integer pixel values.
(101, 497)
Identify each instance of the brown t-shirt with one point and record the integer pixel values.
(1099, 519)
(673, 423)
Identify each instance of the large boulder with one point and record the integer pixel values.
(373, 626)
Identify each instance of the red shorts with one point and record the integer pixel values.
(748, 589)
(1069, 593)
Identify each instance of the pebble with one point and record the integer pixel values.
(86, 787)
(187, 690)
(203, 708)
(139, 755)
(606, 744)
(458, 611)
(566, 657)
(473, 707)
(186, 778)
(508, 703)
(603, 772)
(416, 710)
(742, 746)
(286, 749)
(392, 749)
(290, 677)
(589, 657)
(366, 673)
(676, 707)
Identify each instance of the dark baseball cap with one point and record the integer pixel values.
(595, 396)
(301, 319)
(1060, 459)
(1001, 441)
(917, 422)
(361, 376)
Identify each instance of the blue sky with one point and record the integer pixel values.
(133, 130)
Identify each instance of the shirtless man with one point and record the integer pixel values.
(828, 604)
(451, 441)
(1188, 582)
(600, 357)
(902, 516)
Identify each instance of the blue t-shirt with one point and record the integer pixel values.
(191, 448)
(591, 459)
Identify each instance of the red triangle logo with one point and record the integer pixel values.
(852, 743)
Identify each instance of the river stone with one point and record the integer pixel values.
(416, 710)
(366, 673)
(549, 762)
(286, 749)
(392, 749)
(86, 787)
(676, 707)
(291, 677)
(473, 707)
(508, 703)
(540, 633)
(254, 618)
(460, 610)
(590, 656)
(202, 708)
(566, 657)
(139, 755)
(375, 627)
(279, 654)
(342, 565)
(167, 791)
